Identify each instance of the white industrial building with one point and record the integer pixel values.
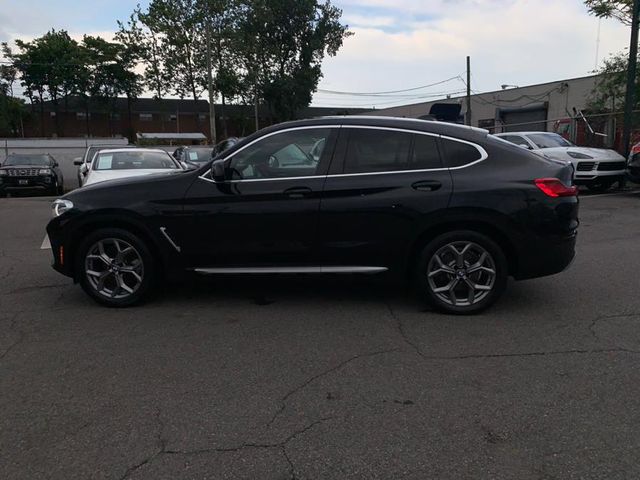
(552, 106)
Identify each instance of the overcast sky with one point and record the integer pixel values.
(400, 44)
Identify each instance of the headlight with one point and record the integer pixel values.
(44, 171)
(579, 156)
(3, 173)
(60, 206)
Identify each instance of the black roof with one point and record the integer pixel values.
(441, 128)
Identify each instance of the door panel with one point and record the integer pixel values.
(371, 218)
(266, 213)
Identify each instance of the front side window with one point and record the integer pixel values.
(377, 150)
(295, 153)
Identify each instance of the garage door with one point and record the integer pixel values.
(523, 119)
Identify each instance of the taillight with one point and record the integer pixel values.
(553, 187)
(635, 148)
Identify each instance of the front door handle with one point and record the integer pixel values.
(298, 192)
(427, 186)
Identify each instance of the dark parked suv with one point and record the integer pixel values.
(31, 173)
(452, 208)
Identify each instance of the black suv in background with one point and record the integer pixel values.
(31, 173)
(452, 208)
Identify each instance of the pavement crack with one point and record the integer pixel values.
(400, 328)
(283, 401)
(594, 323)
(533, 354)
(292, 468)
(20, 339)
(161, 449)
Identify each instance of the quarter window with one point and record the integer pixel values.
(377, 150)
(295, 153)
(457, 154)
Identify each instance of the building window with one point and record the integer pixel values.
(81, 115)
(53, 114)
(202, 116)
(146, 117)
(173, 117)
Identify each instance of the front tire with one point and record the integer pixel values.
(461, 272)
(115, 268)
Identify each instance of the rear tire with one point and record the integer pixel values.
(115, 268)
(461, 272)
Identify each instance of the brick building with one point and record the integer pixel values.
(74, 118)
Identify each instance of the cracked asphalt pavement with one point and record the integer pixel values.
(322, 378)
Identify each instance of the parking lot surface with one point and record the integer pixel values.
(312, 378)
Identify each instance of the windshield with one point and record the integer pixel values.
(549, 140)
(199, 155)
(134, 161)
(27, 160)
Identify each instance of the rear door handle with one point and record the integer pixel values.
(427, 186)
(298, 192)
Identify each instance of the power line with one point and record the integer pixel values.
(337, 92)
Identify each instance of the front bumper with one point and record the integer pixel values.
(12, 184)
(633, 174)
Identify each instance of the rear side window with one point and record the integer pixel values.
(425, 154)
(457, 154)
(377, 150)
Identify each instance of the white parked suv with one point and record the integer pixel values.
(597, 168)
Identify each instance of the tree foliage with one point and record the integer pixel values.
(611, 85)
(619, 9)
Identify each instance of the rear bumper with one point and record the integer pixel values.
(546, 257)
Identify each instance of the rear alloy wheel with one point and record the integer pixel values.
(116, 268)
(462, 272)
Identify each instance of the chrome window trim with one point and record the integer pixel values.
(483, 155)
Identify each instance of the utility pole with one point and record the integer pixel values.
(212, 106)
(468, 115)
(631, 78)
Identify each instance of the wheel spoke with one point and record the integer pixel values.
(472, 291)
(123, 285)
(98, 257)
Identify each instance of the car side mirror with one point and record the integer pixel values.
(77, 161)
(83, 169)
(56, 164)
(525, 146)
(219, 170)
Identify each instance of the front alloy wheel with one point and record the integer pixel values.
(115, 267)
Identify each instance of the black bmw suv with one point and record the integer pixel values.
(453, 209)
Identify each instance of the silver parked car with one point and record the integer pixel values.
(597, 168)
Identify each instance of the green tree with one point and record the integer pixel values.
(47, 66)
(110, 73)
(619, 9)
(284, 43)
